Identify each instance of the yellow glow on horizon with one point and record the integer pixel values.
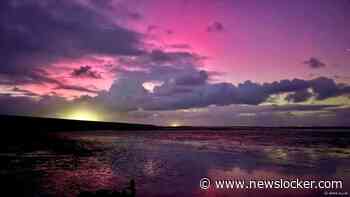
(83, 114)
(175, 124)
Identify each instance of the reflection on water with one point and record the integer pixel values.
(167, 163)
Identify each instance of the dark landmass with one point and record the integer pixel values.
(10, 123)
(257, 128)
(21, 135)
(55, 124)
(24, 133)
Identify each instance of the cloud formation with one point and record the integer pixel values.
(181, 84)
(228, 115)
(186, 86)
(185, 92)
(35, 33)
(215, 27)
(39, 76)
(86, 71)
(314, 63)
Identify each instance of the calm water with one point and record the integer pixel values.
(171, 163)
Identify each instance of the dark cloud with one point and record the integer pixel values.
(196, 78)
(62, 86)
(86, 71)
(159, 56)
(185, 86)
(28, 76)
(39, 76)
(314, 63)
(158, 59)
(24, 92)
(299, 96)
(326, 87)
(215, 27)
(112, 6)
(35, 33)
(22, 105)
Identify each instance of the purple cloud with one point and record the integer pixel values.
(35, 34)
(86, 71)
(314, 63)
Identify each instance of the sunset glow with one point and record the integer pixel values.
(175, 124)
(83, 114)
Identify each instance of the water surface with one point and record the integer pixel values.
(171, 163)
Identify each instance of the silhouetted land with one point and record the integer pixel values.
(55, 124)
(12, 123)
(22, 135)
(31, 133)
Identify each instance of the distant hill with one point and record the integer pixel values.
(10, 122)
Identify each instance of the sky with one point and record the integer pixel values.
(180, 62)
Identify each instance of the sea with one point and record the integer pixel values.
(180, 163)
